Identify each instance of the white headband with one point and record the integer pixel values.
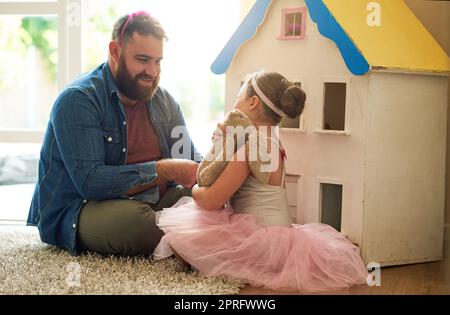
(265, 99)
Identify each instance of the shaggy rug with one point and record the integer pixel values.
(31, 267)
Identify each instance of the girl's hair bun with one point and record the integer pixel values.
(293, 100)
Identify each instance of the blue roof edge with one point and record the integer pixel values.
(246, 30)
(330, 28)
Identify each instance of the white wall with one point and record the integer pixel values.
(405, 175)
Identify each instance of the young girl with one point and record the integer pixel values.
(252, 238)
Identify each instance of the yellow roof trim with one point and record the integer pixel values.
(400, 42)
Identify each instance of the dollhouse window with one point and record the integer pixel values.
(335, 96)
(331, 205)
(293, 23)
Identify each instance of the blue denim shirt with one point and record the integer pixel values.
(84, 154)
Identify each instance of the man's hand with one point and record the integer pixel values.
(184, 172)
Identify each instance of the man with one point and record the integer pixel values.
(106, 163)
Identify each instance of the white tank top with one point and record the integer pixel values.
(268, 203)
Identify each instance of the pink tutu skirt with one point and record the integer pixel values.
(309, 257)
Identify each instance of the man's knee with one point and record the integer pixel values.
(122, 227)
(171, 197)
(143, 233)
(181, 191)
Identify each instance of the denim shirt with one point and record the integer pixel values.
(84, 154)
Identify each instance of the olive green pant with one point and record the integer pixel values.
(123, 227)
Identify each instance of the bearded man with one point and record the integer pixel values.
(106, 164)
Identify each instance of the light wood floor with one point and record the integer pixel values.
(423, 279)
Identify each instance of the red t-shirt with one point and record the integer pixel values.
(143, 142)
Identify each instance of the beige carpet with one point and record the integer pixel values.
(31, 267)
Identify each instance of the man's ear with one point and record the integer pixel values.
(114, 51)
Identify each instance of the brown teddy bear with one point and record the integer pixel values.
(217, 158)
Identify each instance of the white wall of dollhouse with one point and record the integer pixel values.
(375, 168)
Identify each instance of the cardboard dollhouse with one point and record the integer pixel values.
(367, 156)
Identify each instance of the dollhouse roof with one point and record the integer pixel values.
(400, 43)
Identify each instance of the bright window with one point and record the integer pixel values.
(28, 88)
(27, 91)
(37, 40)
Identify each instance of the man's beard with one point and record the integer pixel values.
(129, 86)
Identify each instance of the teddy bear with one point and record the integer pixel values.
(217, 158)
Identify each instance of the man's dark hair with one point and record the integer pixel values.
(142, 24)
